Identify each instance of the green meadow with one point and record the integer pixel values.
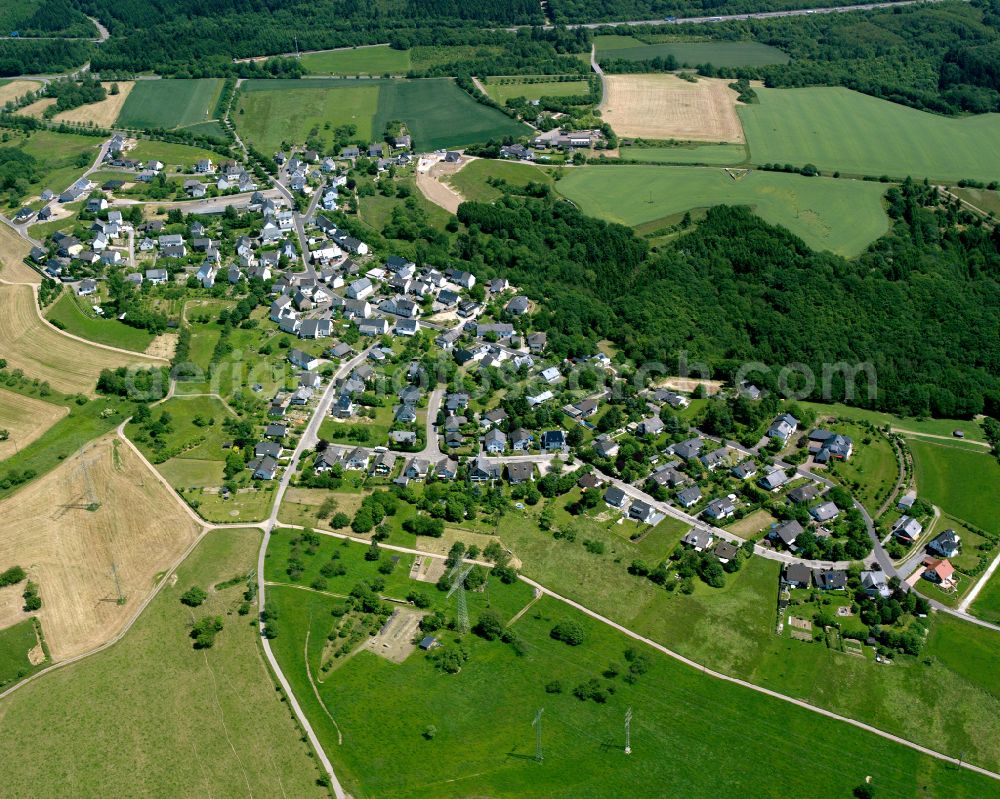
(503, 89)
(708, 154)
(470, 733)
(437, 113)
(170, 103)
(838, 129)
(962, 481)
(77, 317)
(152, 716)
(843, 216)
(472, 182)
(375, 60)
(690, 54)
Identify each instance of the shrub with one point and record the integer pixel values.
(569, 632)
(193, 597)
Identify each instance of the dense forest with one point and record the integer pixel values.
(569, 11)
(44, 18)
(943, 57)
(922, 305)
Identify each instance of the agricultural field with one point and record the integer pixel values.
(963, 482)
(78, 318)
(270, 113)
(13, 251)
(376, 60)
(14, 89)
(838, 129)
(102, 114)
(503, 89)
(170, 103)
(668, 107)
(41, 351)
(436, 112)
(690, 153)
(481, 716)
(838, 215)
(471, 180)
(25, 419)
(690, 54)
(986, 605)
(139, 718)
(96, 566)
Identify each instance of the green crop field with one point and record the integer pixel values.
(963, 482)
(482, 716)
(170, 103)
(839, 215)
(69, 312)
(376, 60)
(471, 181)
(838, 129)
(709, 154)
(504, 89)
(152, 716)
(439, 114)
(691, 54)
(987, 604)
(436, 112)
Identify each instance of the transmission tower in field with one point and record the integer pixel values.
(628, 731)
(458, 588)
(537, 724)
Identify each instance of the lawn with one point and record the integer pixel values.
(844, 216)
(471, 180)
(152, 716)
(871, 472)
(376, 60)
(503, 89)
(170, 103)
(173, 155)
(964, 483)
(16, 642)
(690, 54)
(482, 720)
(440, 115)
(78, 318)
(838, 129)
(708, 154)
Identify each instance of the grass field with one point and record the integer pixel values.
(504, 89)
(983, 199)
(271, 113)
(137, 528)
(62, 157)
(68, 312)
(471, 180)
(25, 419)
(940, 427)
(718, 54)
(709, 154)
(436, 112)
(16, 644)
(152, 716)
(842, 216)
(43, 352)
(482, 720)
(963, 482)
(170, 103)
(376, 60)
(987, 604)
(838, 129)
(871, 472)
(173, 155)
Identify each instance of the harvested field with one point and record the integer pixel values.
(17, 88)
(163, 346)
(102, 114)
(667, 107)
(138, 529)
(43, 352)
(37, 108)
(13, 250)
(25, 419)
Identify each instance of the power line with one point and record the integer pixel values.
(537, 724)
(628, 731)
